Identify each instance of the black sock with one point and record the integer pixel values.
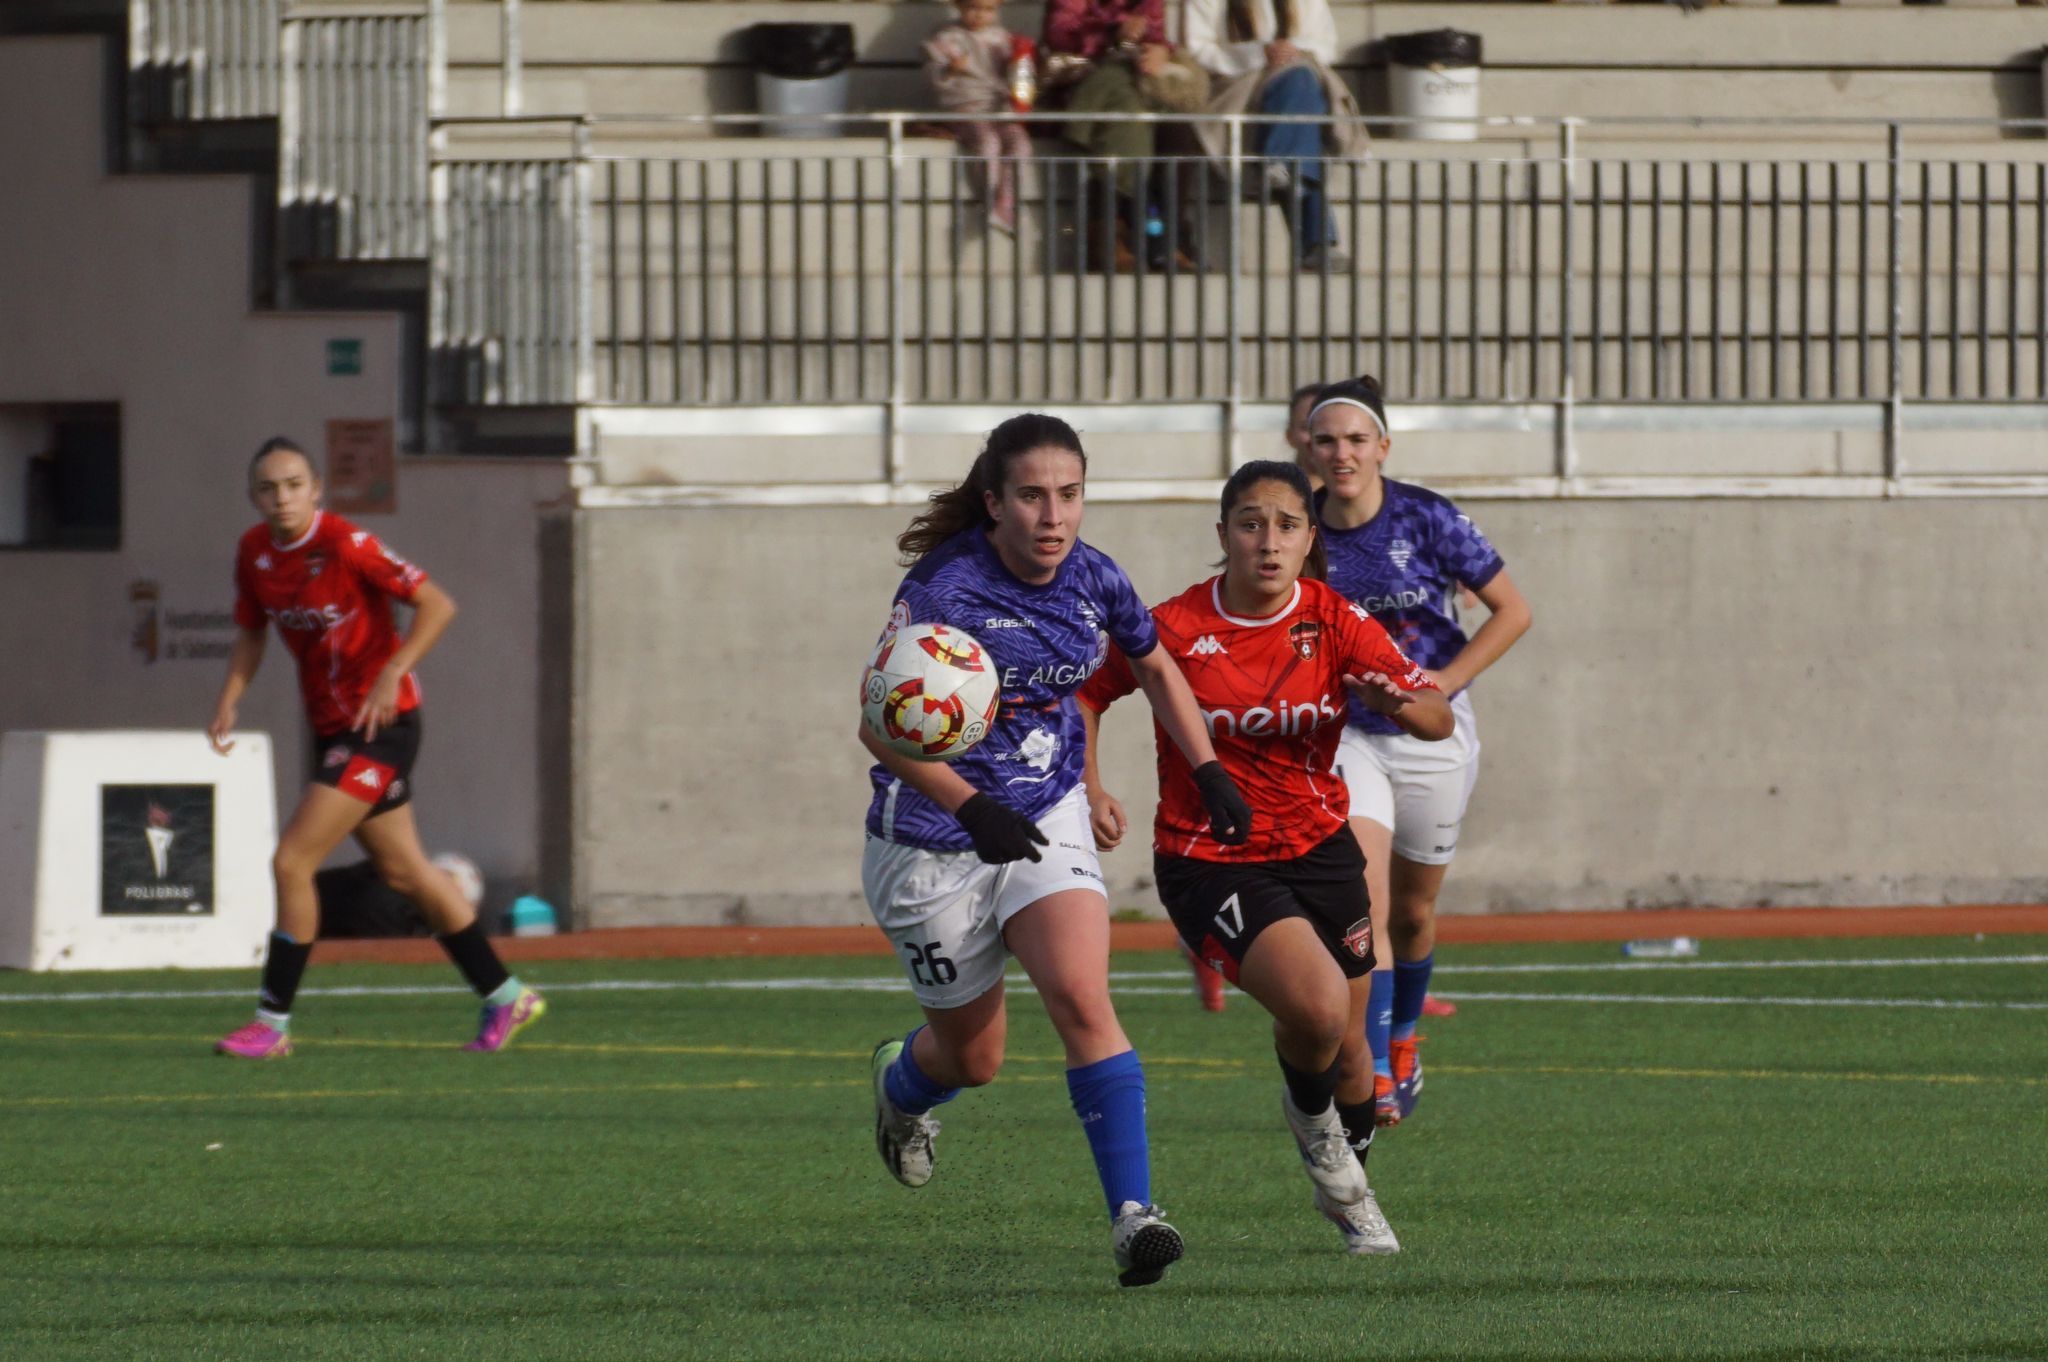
(474, 955)
(1312, 1093)
(284, 964)
(1357, 1119)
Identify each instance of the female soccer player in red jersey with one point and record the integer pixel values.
(1270, 652)
(328, 587)
(1401, 552)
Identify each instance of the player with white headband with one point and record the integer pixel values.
(1402, 553)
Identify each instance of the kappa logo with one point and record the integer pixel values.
(366, 779)
(1205, 646)
(1400, 550)
(360, 538)
(263, 562)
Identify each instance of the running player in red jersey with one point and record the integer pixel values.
(1270, 652)
(328, 587)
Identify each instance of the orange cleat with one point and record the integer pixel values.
(1386, 1106)
(1208, 983)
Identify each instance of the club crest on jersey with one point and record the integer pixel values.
(315, 564)
(1358, 938)
(1303, 636)
(1400, 550)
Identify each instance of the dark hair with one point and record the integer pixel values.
(1305, 390)
(1257, 471)
(962, 507)
(1365, 388)
(280, 444)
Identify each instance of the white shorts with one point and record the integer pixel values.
(944, 911)
(1417, 788)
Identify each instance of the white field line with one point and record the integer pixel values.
(1126, 980)
(1681, 966)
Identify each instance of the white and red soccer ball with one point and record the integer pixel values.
(930, 692)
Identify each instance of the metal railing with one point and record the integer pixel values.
(204, 59)
(726, 274)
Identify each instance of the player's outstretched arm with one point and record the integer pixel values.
(1424, 714)
(433, 610)
(1000, 833)
(1509, 620)
(243, 660)
(1105, 810)
(1173, 704)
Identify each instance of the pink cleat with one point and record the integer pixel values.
(1432, 1006)
(257, 1040)
(500, 1024)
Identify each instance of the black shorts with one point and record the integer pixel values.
(1220, 907)
(378, 770)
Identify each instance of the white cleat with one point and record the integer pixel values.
(1325, 1153)
(1145, 1245)
(1364, 1229)
(905, 1142)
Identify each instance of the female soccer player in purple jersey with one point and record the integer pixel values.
(1401, 552)
(953, 869)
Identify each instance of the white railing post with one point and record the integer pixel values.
(1567, 445)
(1895, 358)
(893, 437)
(1233, 360)
(586, 271)
(511, 73)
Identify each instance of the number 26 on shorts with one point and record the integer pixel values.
(928, 967)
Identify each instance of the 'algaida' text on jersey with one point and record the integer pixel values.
(1271, 690)
(1402, 566)
(1045, 641)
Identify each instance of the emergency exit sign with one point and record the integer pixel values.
(344, 358)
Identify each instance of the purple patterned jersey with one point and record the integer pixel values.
(1402, 566)
(1045, 641)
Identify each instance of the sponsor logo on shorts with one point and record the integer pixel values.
(336, 755)
(1358, 938)
(397, 790)
(1085, 873)
(367, 780)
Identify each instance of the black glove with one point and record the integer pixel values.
(1230, 818)
(1000, 833)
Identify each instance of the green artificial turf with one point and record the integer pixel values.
(689, 1173)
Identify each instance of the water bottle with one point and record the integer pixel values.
(1662, 948)
(1023, 74)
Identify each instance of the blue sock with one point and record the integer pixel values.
(912, 1092)
(1109, 1097)
(1379, 1020)
(1411, 985)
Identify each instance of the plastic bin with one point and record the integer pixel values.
(1434, 75)
(800, 73)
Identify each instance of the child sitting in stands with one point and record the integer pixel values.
(968, 63)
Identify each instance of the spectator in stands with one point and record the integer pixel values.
(1274, 57)
(1111, 56)
(1298, 440)
(968, 63)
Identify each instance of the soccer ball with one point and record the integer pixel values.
(463, 871)
(930, 692)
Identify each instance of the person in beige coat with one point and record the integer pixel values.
(1275, 57)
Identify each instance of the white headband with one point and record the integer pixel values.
(1348, 402)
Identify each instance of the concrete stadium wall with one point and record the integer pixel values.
(1748, 702)
(135, 291)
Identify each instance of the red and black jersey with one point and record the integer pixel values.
(329, 593)
(1272, 693)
